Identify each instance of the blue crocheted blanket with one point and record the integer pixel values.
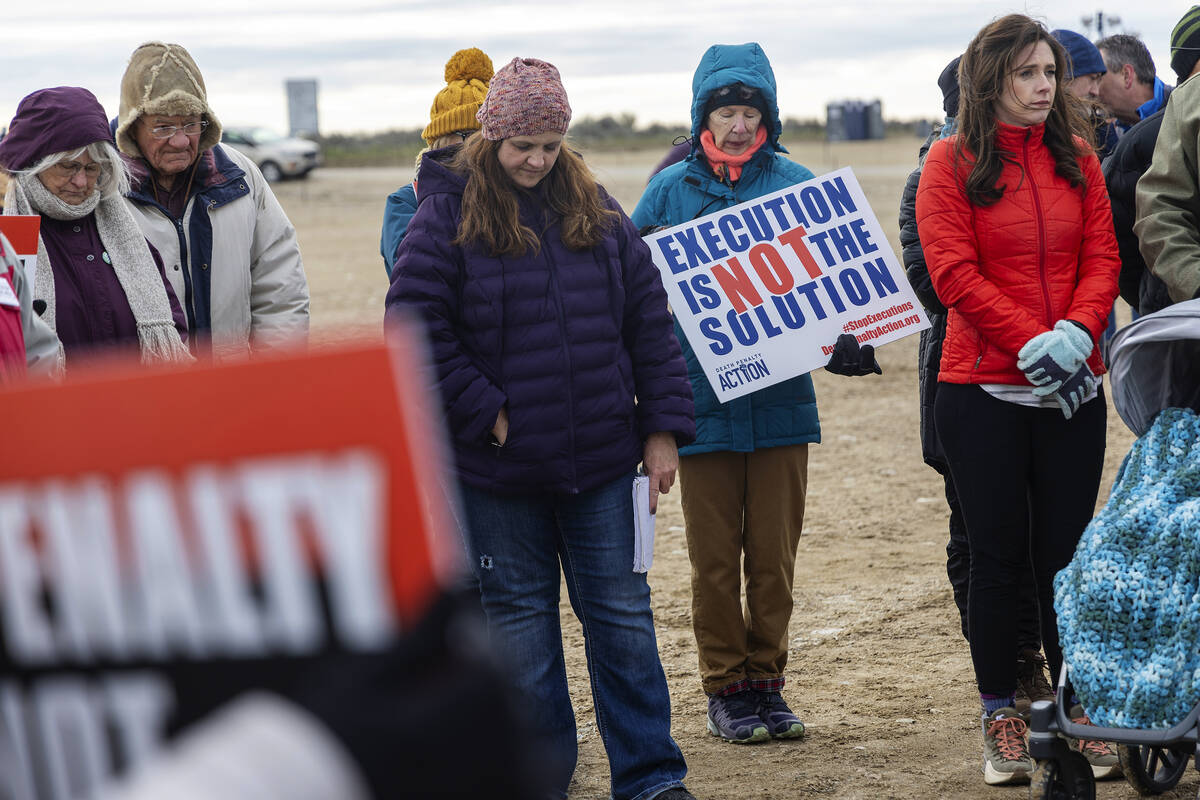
(1129, 602)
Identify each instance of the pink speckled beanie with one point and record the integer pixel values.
(526, 97)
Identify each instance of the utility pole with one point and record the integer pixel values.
(1099, 20)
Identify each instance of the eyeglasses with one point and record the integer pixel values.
(743, 92)
(69, 169)
(167, 131)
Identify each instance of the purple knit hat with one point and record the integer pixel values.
(526, 97)
(48, 121)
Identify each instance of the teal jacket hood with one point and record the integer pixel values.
(723, 64)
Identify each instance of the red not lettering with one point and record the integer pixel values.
(795, 240)
(737, 285)
(771, 269)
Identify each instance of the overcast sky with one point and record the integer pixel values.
(379, 64)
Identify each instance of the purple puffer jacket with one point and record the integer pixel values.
(565, 338)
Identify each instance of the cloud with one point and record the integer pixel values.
(379, 62)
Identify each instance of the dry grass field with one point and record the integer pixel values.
(878, 669)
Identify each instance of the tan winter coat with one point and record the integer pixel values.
(258, 295)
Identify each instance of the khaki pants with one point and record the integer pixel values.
(739, 505)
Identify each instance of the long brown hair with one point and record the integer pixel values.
(983, 76)
(491, 214)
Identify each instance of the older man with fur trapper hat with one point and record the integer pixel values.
(229, 250)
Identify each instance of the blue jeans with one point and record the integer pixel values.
(515, 546)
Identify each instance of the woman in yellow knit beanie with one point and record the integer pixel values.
(452, 116)
(451, 121)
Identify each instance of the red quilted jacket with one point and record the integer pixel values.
(1009, 271)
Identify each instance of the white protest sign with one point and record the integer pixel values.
(763, 289)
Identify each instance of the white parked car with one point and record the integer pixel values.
(277, 156)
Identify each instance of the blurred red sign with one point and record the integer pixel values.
(22, 234)
(290, 507)
(22, 231)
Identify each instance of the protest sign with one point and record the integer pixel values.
(763, 289)
(22, 234)
(172, 538)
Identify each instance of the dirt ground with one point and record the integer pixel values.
(878, 670)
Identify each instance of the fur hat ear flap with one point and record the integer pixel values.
(162, 79)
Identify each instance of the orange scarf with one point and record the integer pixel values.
(725, 165)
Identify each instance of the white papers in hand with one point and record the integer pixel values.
(643, 525)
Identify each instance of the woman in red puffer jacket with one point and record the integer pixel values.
(1015, 223)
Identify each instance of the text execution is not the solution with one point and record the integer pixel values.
(709, 260)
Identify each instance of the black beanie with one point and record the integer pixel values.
(948, 83)
(1185, 44)
(736, 94)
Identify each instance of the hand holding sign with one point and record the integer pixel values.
(850, 359)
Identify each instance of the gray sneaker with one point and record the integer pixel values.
(780, 721)
(1101, 755)
(734, 718)
(1005, 750)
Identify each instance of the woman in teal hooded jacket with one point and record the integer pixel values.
(744, 479)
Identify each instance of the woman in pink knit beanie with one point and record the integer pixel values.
(559, 372)
(526, 101)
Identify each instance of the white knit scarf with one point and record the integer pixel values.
(131, 260)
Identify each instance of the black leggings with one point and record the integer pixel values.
(958, 569)
(1027, 479)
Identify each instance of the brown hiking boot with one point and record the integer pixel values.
(1031, 681)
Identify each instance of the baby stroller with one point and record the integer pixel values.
(1154, 365)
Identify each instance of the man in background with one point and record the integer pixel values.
(1130, 89)
(1085, 71)
(1140, 287)
(1168, 194)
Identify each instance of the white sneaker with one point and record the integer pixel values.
(1005, 749)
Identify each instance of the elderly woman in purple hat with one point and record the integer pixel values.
(547, 319)
(98, 283)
